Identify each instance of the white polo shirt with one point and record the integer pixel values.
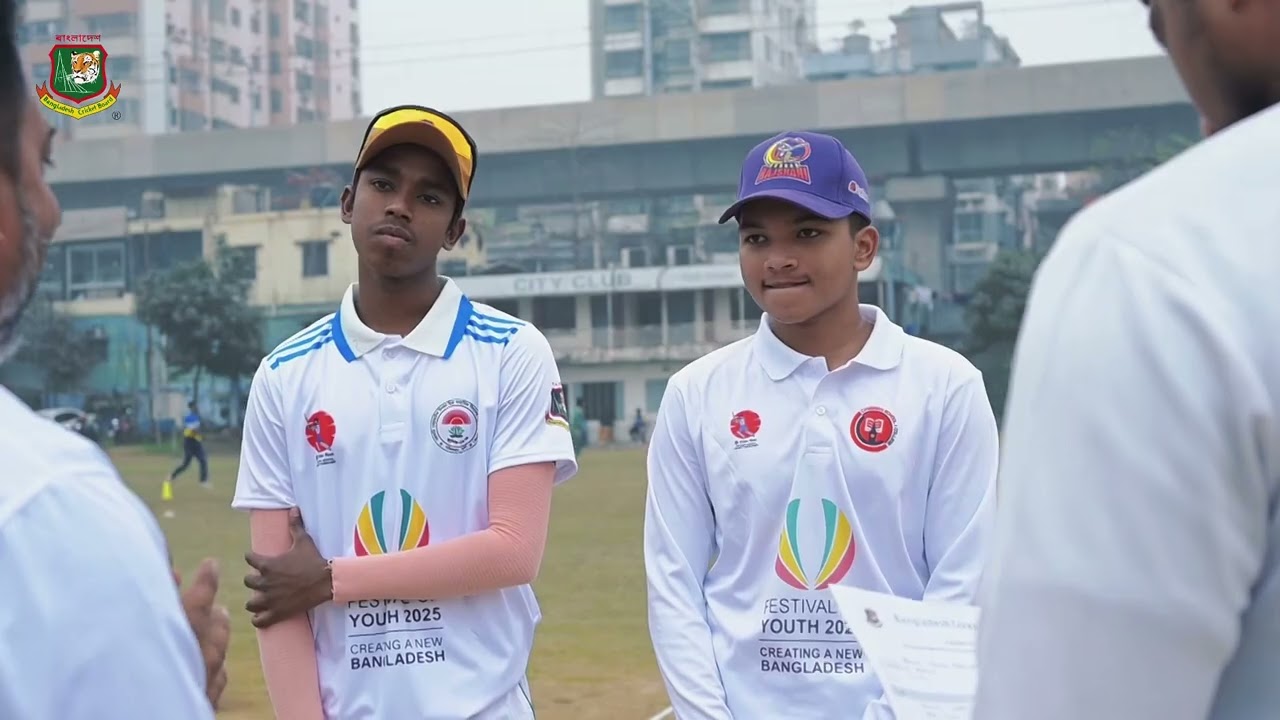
(387, 444)
(784, 478)
(90, 619)
(1137, 572)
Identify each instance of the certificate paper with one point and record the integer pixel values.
(923, 653)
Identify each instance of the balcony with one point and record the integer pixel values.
(681, 342)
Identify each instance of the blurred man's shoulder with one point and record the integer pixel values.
(42, 458)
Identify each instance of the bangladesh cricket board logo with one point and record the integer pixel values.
(78, 75)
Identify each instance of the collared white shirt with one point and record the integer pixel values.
(784, 478)
(90, 619)
(1137, 572)
(387, 444)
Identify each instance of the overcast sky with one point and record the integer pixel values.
(486, 54)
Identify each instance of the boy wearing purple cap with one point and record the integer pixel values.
(828, 448)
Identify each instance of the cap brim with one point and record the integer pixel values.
(422, 134)
(819, 206)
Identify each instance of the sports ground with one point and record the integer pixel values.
(592, 658)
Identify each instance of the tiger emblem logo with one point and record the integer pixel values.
(85, 67)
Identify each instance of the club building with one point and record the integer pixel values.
(618, 332)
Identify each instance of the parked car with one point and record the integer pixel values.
(77, 421)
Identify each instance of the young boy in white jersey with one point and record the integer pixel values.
(828, 448)
(398, 464)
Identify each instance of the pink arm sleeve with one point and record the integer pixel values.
(287, 648)
(506, 554)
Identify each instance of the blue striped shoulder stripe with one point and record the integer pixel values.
(491, 328)
(313, 338)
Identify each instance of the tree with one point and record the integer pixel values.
(203, 311)
(57, 351)
(994, 312)
(1136, 153)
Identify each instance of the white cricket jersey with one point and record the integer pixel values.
(1137, 566)
(387, 444)
(90, 618)
(784, 478)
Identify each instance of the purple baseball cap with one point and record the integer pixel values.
(807, 169)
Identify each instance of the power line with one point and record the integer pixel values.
(346, 53)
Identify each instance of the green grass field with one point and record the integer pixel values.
(592, 658)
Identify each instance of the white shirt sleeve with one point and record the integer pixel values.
(264, 481)
(90, 622)
(1133, 512)
(679, 542)
(528, 429)
(960, 509)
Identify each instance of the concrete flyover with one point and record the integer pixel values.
(958, 124)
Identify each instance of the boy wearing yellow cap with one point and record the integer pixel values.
(398, 462)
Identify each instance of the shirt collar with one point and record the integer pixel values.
(437, 334)
(883, 350)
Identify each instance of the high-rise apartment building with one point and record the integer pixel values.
(191, 65)
(651, 47)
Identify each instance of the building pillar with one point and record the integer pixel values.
(722, 325)
(925, 209)
(582, 320)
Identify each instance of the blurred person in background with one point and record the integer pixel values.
(192, 449)
(1137, 573)
(90, 621)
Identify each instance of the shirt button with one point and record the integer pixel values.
(821, 410)
(391, 389)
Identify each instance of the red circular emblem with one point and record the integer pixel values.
(321, 431)
(745, 425)
(873, 429)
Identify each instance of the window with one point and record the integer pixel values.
(723, 7)
(726, 84)
(726, 47)
(273, 62)
(246, 256)
(237, 56)
(95, 267)
(111, 24)
(218, 10)
(255, 24)
(235, 17)
(622, 18)
(653, 390)
(306, 116)
(452, 267)
(303, 81)
(38, 31)
(189, 120)
(315, 258)
(54, 276)
(555, 313)
(217, 50)
(624, 64)
(189, 78)
(122, 68)
(301, 10)
(156, 251)
(273, 25)
(219, 85)
(277, 101)
(302, 46)
(677, 57)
